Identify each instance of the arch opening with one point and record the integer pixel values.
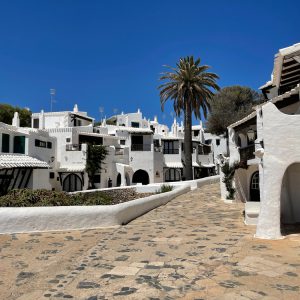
(254, 187)
(119, 179)
(290, 200)
(72, 183)
(140, 176)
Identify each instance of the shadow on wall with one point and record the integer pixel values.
(290, 200)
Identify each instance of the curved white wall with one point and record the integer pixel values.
(30, 219)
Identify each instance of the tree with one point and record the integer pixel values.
(189, 86)
(230, 105)
(95, 157)
(7, 113)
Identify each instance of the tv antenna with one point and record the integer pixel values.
(52, 97)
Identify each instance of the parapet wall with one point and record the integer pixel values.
(35, 219)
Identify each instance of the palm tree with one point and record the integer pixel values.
(189, 86)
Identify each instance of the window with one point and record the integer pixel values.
(172, 175)
(36, 123)
(19, 144)
(196, 132)
(40, 144)
(208, 142)
(49, 145)
(97, 178)
(152, 128)
(218, 142)
(51, 175)
(68, 140)
(169, 148)
(122, 142)
(5, 143)
(135, 124)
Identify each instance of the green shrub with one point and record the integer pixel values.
(165, 188)
(29, 198)
(229, 171)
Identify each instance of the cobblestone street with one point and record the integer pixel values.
(195, 247)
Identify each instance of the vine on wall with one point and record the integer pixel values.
(228, 171)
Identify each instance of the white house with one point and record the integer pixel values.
(140, 151)
(266, 144)
(27, 157)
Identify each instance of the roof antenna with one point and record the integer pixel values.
(52, 97)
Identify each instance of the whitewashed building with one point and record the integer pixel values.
(266, 144)
(27, 157)
(140, 151)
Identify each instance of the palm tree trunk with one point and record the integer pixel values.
(188, 171)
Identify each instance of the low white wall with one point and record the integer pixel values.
(32, 219)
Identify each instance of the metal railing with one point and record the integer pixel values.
(73, 147)
(141, 147)
(246, 153)
(171, 151)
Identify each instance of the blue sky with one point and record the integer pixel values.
(110, 53)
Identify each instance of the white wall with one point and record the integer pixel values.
(281, 137)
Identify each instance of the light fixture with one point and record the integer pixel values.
(251, 135)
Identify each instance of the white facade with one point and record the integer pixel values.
(140, 151)
(266, 143)
(26, 157)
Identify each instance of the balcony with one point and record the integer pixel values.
(171, 151)
(141, 147)
(246, 153)
(73, 147)
(204, 150)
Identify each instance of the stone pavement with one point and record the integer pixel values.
(195, 247)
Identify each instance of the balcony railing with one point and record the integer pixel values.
(171, 151)
(73, 147)
(141, 147)
(246, 153)
(204, 150)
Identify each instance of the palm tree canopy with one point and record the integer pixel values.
(188, 83)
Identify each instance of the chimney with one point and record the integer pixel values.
(42, 120)
(75, 109)
(16, 120)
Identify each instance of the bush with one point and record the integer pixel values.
(30, 198)
(165, 188)
(229, 171)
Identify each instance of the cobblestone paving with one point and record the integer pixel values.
(195, 247)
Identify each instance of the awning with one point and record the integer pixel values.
(196, 164)
(208, 165)
(174, 165)
(8, 161)
(72, 169)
